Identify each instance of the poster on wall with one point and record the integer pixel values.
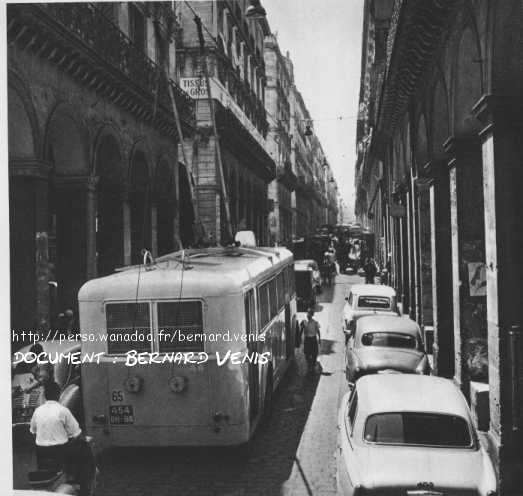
(477, 279)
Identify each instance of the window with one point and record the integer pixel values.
(389, 340)
(250, 316)
(180, 326)
(161, 49)
(273, 295)
(263, 296)
(289, 279)
(128, 327)
(413, 428)
(374, 302)
(137, 27)
(280, 282)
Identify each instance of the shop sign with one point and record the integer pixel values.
(195, 87)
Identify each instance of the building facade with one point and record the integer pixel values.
(114, 147)
(301, 126)
(233, 51)
(438, 181)
(94, 172)
(277, 104)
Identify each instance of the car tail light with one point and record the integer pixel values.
(422, 366)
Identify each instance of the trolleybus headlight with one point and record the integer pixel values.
(178, 384)
(133, 384)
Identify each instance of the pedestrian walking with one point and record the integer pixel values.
(311, 330)
(370, 271)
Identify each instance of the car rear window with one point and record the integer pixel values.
(389, 340)
(418, 429)
(374, 302)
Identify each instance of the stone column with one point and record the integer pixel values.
(502, 153)
(76, 235)
(467, 235)
(29, 257)
(90, 186)
(424, 257)
(404, 256)
(126, 212)
(441, 256)
(154, 229)
(414, 284)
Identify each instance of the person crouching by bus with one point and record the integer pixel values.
(58, 435)
(311, 329)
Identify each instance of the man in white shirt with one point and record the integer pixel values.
(56, 431)
(311, 329)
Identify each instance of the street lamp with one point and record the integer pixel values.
(308, 130)
(255, 10)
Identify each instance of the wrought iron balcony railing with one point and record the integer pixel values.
(81, 32)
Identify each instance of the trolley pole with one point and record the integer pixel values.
(197, 228)
(228, 224)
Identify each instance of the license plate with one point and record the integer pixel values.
(121, 414)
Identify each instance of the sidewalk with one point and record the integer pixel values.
(314, 469)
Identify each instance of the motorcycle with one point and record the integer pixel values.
(53, 477)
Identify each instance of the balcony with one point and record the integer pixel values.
(235, 134)
(242, 93)
(80, 40)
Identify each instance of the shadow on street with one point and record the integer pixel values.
(260, 468)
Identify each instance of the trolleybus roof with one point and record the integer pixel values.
(206, 272)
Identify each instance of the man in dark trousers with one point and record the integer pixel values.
(311, 329)
(59, 437)
(370, 271)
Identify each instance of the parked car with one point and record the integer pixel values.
(310, 264)
(385, 343)
(305, 287)
(368, 299)
(27, 393)
(411, 435)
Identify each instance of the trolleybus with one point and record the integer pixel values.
(194, 345)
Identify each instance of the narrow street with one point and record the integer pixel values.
(293, 455)
(314, 468)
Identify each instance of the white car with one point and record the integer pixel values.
(410, 435)
(368, 299)
(383, 343)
